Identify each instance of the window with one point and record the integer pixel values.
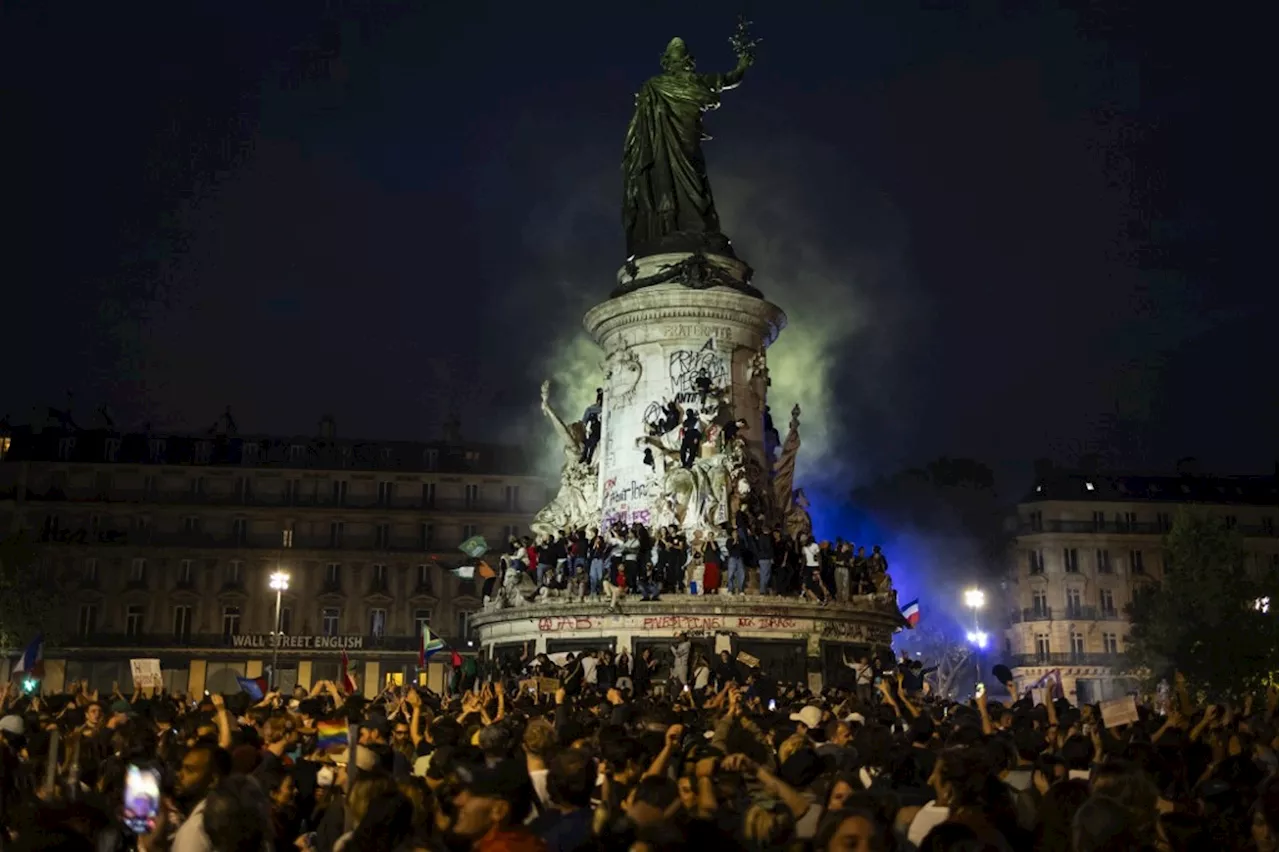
(386, 493)
(191, 525)
(88, 623)
(90, 574)
(1106, 602)
(66, 448)
(1071, 560)
(1035, 521)
(1229, 521)
(142, 528)
(430, 458)
(292, 491)
(240, 530)
(421, 621)
(286, 621)
(1099, 520)
(204, 449)
(1035, 561)
(426, 536)
(388, 455)
(1039, 604)
(333, 574)
(1110, 643)
(1268, 525)
(1073, 603)
(329, 617)
(382, 536)
(377, 622)
(181, 622)
(428, 495)
(155, 449)
(297, 452)
(340, 492)
(184, 572)
(336, 529)
(1103, 558)
(235, 572)
(231, 621)
(110, 449)
(102, 485)
(469, 530)
(471, 495)
(133, 620)
(199, 487)
(149, 486)
(512, 496)
(1135, 562)
(1077, 644)
(249, 452)
(244, 492)
(509, 532)
(424, 578)
(138, 570)
(1042, 646)
(286, 537)
(1164, 521)
(464, 624)
(379, 574)
(1126, 521)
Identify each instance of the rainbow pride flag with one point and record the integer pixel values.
(331, 736)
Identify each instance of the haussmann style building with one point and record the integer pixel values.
(1085, 541)
(166, 545)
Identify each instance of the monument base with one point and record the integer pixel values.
(794, 641)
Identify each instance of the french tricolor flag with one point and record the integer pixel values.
(911, 612)
(31, 663)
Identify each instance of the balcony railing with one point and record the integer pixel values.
(210, 541)
(1123, 528)
(1026, 660)
(456, 505)
(1077, 613)
(1031, 614)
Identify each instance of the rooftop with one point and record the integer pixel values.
(1168, 488)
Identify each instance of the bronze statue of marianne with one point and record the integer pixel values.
(667, 204)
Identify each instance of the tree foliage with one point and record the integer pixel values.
(31, 594)
(1203, 617)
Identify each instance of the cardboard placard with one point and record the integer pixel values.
(146, 674)
(548, 685)
(1119, 711)
(815, 682)
(748, 660)
(529, 685)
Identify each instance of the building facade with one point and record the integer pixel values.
(166, 544)
(1085, 542)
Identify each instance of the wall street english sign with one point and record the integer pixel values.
(301, 643)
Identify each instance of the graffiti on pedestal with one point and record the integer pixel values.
(696, 373)
(626, 502)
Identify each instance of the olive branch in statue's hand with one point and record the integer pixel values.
(744, 46)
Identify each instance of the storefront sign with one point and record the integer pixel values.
(317, 643)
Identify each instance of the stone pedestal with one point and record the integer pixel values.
(659, 339)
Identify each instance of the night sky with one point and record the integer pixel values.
(1000, 230)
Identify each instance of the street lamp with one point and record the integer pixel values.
(974, 599)
(279, 582)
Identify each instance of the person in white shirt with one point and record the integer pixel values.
(589, 664)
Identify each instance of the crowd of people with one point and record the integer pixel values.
(539, 757)
(609, 564)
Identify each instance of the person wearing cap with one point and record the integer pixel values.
(809, 718)
(491, 807)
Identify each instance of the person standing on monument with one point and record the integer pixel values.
(690, 439)
(762, 546)
(736, 574)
